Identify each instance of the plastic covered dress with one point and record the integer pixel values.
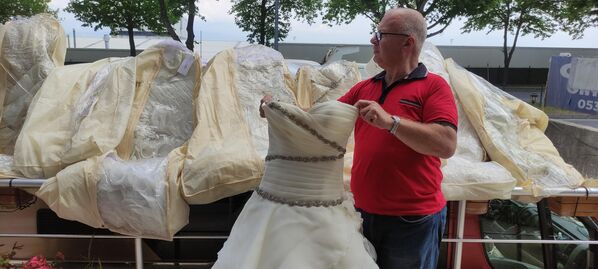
(300, 215)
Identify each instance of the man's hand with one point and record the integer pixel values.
(266, 99)
(372, 113)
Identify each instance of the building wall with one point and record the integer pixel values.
(529, 66)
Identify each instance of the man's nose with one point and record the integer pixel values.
(374, 40)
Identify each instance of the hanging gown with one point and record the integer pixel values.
(300, 216)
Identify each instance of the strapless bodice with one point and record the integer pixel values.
(304, 165)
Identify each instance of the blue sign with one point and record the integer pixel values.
(571, 85)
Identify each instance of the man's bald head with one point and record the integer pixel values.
(409, 21)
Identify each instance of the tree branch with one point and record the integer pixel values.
(519, 25)
(166, 21)
(190, 20)
(441, 30)
(429, 9)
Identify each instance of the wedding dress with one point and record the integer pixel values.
(300, 216)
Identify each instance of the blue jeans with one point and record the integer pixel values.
(405, 241)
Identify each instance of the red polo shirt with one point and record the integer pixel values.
(387, 176)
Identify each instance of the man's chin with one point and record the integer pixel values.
(377, 60)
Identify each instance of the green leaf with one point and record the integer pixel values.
(258, 17)
(12, 8)
(517, 17)
(125, 15)
(438, 13)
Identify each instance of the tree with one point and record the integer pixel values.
(578, 15)
(438, 13)
(192, 12)
(127, 14)
(11, 9)
(517, 17)
(257, 17)
(166, 20)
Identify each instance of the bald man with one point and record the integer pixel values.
(408, 121)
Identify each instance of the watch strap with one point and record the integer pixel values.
(396, 121)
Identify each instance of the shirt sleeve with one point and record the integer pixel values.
(350, 97)
(440, 105)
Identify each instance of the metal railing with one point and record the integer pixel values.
(459, 240)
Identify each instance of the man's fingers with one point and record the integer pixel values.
(368, 110)
(373, 117)
(370, 116)
(363, 112)
(362, 103)
(266, 99)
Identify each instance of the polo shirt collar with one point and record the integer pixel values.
(418, 73)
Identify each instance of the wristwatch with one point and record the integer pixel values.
(396, 121)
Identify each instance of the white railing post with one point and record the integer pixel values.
(460, 230)
(138, 254)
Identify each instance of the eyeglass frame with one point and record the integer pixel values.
(379, 35)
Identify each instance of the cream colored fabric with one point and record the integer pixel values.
(512, 134)
(162, 119)
(71, 193)
(29, 49)
(468, 175)
(81, 111)
(138, 198)
(142, 107)
(330, 82)
(274, 235)
(226, 151)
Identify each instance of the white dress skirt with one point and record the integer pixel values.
(300, 216)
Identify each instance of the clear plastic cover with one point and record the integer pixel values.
(333, 80)
(260, 70)
(513, 132)
(132, 196)
(166, 121)
(5, 165)
(30, 49)
(504, 124)
(467, 175)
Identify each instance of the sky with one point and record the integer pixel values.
(220, 26)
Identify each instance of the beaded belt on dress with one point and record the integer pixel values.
(304, 203)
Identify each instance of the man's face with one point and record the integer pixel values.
(388, 50)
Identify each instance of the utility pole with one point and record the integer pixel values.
(276, 8)
(74, 39)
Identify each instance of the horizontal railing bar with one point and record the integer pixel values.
(520, 241)
(67, 236)
(561, 192)
(22, 183)
(446, 240)
(517, 191)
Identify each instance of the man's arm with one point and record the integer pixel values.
(426, 138)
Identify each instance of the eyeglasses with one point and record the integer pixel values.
(379, 35)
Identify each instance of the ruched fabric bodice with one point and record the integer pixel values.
(300, 216)
(305, 157)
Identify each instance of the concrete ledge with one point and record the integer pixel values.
(577, 143)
